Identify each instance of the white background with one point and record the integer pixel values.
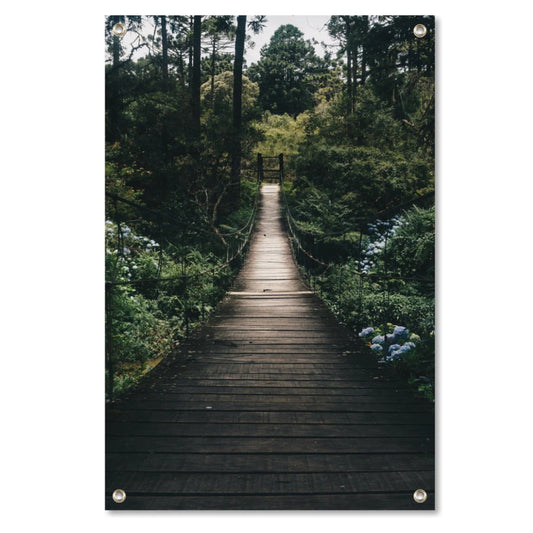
(52, 272)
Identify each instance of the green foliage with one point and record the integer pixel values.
(359, 303)
(367, 180)
(147, 320)
(360, 296)
(218, 108)
(281, 134)
(411, 251)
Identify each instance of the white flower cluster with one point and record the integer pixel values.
(379, 233)
(132, 246)
(130, 238)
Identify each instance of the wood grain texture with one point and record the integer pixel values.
(270, 405)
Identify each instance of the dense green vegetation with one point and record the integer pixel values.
(184, 123)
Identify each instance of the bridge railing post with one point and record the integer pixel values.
(281, 169)
(259, 168)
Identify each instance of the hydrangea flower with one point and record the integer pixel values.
(401, 332)
(399, 353)
(380, 339)
(393, 348)
(366, 332)
(391, 338)
(376, 348)
(414, 337)
(404, 349)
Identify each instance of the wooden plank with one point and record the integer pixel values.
(265, 385)
(257, 389)
(202, 429)
(264, 463)
(368, 405)
(269, 483)
(269, 417)
(241, 445)
(176, 396)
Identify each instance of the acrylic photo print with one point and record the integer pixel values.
(270, 262)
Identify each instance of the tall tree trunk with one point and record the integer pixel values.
(116, 51)
(164, 44)
(355, 51)
(364, 59)
(349, 65)
(237, 108)
(181, 69)
(349, 78)
(213, 53)
(190, 39)
(113, 130)
(195, 86)
(164, 75)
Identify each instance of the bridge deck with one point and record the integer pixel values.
(270, 406)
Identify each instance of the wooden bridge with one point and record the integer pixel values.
(270, 405)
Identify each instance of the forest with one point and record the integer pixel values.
(186, 118)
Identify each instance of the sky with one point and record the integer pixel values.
(312, 26)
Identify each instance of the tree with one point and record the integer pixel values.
(217, 112)
(196, 81)
(115, 82)
(236, 155)
(351, 32)
(164, 44)
(219, 30)
(287, 72)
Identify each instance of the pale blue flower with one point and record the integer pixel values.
(393, 348)
(401, 332)
(391, 338)
(376, 348)
(366, 332)
(380, 339)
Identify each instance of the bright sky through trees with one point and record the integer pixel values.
(312, 26)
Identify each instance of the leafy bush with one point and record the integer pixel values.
(147, 319)
(359, 293)
(411, 250)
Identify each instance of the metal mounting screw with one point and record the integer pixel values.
(420, 496)
(119, 29)
(420, 31)
(119, 496)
